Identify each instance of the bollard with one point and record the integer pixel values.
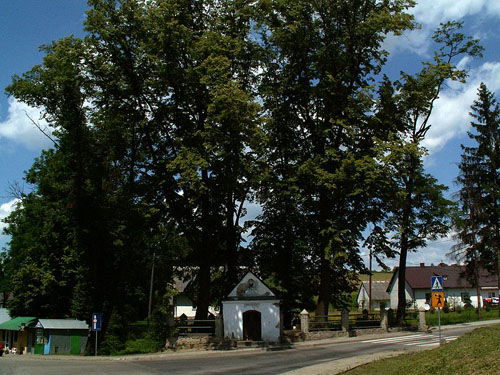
(304, 321)
(219, 327)
(422, 325)
(345, 320)
(384, 320)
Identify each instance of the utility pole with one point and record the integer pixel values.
(370, 284)
(151, 288)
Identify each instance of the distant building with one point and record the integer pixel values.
(458, 291)
(14, 334)
(29, 335)
(380, 296)
(60, 336)
(183, 302)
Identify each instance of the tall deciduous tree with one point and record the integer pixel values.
(74, 237)
(322, 56)
(417, 209)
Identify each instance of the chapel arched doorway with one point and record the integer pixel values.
(252, 325)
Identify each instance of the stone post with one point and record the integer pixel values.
(304, 321)
(219, 327)
(345, 320)
(384, 320)
(422, 325)
(171, 339)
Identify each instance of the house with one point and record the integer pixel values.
(44, 336)
(457, 289)
(60, 336)
(252, 311)
(182, 302)
(14, 334)
(379, 295)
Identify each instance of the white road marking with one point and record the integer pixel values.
(395, 339)
(412, 340)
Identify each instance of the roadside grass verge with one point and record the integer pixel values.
(460, 316)
(477, 353)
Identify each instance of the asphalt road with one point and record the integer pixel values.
(244, 362)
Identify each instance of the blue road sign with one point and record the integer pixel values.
(437, 283)
(96, 322)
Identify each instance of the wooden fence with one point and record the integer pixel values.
(192, 327)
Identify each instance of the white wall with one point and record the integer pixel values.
(363, 301)
(362, 298)
(183, 305)
(270, 318)
(4, 315)
(394, 293)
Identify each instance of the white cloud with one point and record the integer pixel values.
(18, 127)
(432, 12)
(434, 253)
(451, 113)
(429, 14)
(5, 210)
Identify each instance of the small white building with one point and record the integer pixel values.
(182, 302)
(379, 295)
(458, 291)
(252, 312)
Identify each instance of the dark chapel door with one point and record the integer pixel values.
(252, 326)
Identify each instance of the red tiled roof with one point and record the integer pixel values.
(420, 277)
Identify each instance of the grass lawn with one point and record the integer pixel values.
(465, 316)
(475, 353)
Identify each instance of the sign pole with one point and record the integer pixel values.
(439, 324)
(96, 327)
(437, 289)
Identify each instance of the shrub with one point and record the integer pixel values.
(140, 346)
(446, 308)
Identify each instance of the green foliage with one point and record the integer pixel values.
(477, 220)
(140, 346)
(169, 117)
(415, 206)
(318, 187)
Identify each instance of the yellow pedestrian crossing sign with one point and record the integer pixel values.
(437, 283)
(438, 299)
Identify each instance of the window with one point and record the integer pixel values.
(427, 298)
(465, 297)
(39, 336)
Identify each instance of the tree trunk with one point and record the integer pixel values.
(498, 273)
(203, 302)
(205, 248)
(231, 243)
(324, 290)
(402, 286)
(405, 237)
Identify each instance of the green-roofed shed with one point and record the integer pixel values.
(14, 334)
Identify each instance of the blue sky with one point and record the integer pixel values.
(27, 24)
